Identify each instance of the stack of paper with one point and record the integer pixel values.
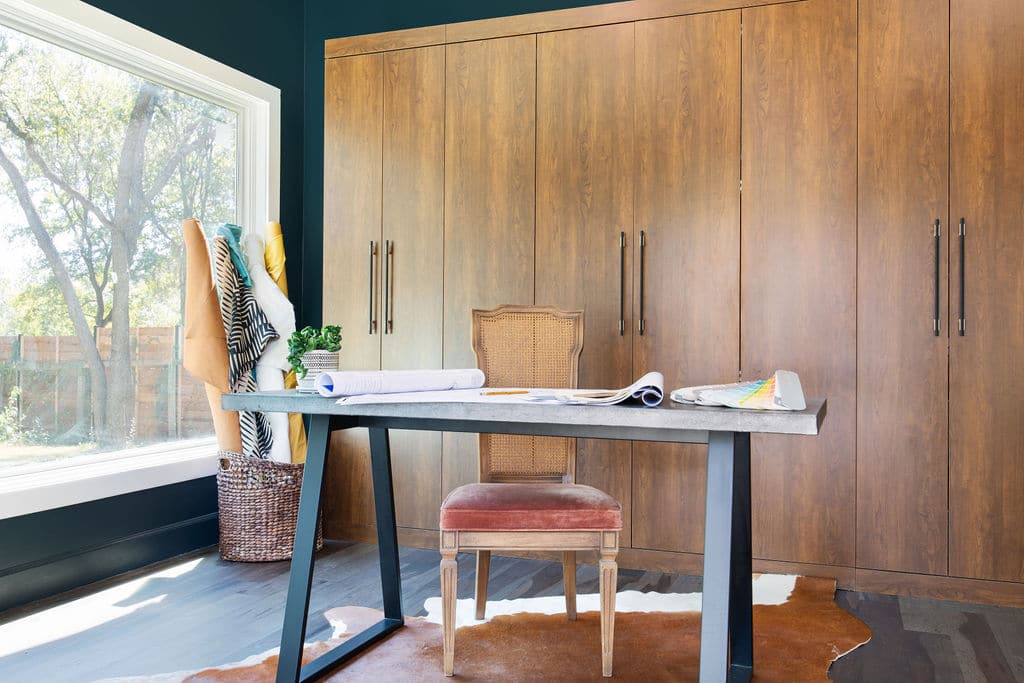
(648, 390)
(357, 382)
(781, 391)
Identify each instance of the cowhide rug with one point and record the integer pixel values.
(798, 632)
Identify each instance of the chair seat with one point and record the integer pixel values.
(529, 507)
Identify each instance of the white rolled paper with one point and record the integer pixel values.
(358, 382)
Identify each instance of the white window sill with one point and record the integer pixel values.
(34, 488)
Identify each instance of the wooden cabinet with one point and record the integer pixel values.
(687, 206)
(901, 278)
(490, 141)
(584, 206)
(986, 371)
(799, 255)
(383, 184)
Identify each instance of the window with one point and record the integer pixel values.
(109, 136)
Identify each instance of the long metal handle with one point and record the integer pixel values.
(622, 283)
(962, 323)
(643, 247)
(389, 298)
(373, 255)
(938, 248)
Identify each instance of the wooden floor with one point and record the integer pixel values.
(202, 611)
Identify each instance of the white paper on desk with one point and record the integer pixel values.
(449, 396)
(358, 382)
(648, 390)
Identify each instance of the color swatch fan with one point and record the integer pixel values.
(781, 391)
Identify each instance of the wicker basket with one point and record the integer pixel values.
(259, 503)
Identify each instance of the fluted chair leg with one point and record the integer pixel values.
(483, 571)
(609, 576)
(569, 579)
(449, 581)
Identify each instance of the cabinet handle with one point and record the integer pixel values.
(389, 299)
(643, 247)
(938, 248)
(962, 323)
(373, 254)
(622, 283)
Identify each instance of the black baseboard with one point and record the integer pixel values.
(50, 552)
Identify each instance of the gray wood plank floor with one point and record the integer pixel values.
(165, 619)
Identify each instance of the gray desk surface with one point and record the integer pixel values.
(668, 422)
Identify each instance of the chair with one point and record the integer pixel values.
(527, 498)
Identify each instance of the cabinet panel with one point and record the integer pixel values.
(799, 208)
(490, 130)
(986, 368)
(411, 298)
(687, 204)
(584, 201)
(353, 120)
(902, 363)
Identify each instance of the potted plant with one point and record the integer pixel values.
(312, 351)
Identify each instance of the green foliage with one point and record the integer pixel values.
(327, 338)
(12, 431)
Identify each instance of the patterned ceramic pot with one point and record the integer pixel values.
(316, 362)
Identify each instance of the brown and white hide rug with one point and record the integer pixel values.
(798, 632)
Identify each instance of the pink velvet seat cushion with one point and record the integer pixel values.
(529, 507)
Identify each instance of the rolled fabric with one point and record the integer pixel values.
(274, 259)
(205, 353)
(356, 382)
(232, 234)
(275, 305)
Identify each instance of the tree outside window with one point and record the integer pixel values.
(97, 169)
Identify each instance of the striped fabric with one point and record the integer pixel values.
(248, 332)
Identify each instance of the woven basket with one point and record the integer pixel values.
(259, 503)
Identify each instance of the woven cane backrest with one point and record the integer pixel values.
(528, 347)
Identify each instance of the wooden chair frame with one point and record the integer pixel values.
(605, 542)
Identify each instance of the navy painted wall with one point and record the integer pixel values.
(326, 19)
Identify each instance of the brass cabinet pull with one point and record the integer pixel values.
(938, 248)
(622, 283)
(643, 247)
(962, 323)
(389, 298)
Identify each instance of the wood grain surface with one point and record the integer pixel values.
(585, 171)
(687, 204)
(986, 467)
(902, 458)
(799, 254)
(490, 144)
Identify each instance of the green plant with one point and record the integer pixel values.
(327, 338)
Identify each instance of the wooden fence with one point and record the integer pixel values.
(55, 393)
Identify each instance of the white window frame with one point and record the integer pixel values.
(94, 33)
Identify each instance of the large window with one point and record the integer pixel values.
(100, 160)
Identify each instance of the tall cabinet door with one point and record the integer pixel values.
(799, 255)
(986, 437)
(490, 95)
(584, 204)
(688, 207)
(903, 329)
(412, 259)
(353, 124)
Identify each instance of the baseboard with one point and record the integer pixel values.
(47, 578)
(958, 589)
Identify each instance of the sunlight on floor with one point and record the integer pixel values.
(85, 613)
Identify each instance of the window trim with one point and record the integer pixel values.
(89, 31)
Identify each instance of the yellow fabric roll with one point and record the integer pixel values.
(205, 353)
(274, 258)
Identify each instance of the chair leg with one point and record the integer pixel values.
(569, 579)
(449, 581)
(483, 570)
(608, 579)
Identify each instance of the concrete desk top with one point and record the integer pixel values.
(668, 422)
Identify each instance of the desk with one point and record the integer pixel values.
(726, 623)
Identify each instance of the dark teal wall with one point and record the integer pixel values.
(262, 39)
(325, 20)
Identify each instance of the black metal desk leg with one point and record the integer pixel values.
(387, 532)
(741, 607)
(718, 536)
(301, 577)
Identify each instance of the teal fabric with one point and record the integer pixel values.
(233, 234)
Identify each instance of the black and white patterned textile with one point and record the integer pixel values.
(248, 332)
